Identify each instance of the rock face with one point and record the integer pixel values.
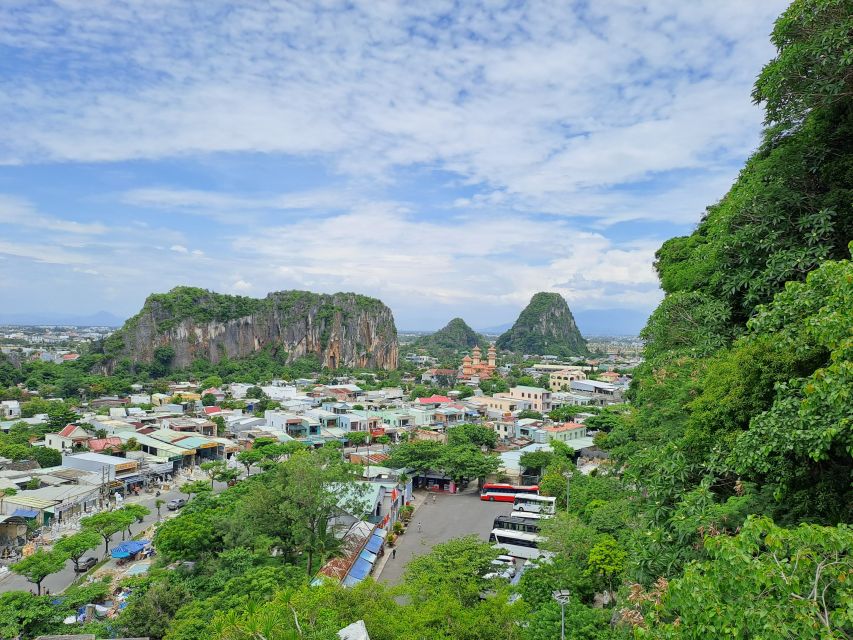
(545, 327)
(187, 324)
(455, 336)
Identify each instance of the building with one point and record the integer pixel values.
(10, 409)
(70, 438)
(567, 432)
(473, 367)
(538, 398)
(561, 380)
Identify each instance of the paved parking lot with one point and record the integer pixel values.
(452, 516)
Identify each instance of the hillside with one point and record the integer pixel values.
(545, 327)
(455, 336)
(187, 324)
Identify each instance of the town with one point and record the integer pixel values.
(426, 321)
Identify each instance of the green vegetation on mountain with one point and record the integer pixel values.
(186, 324)
(545, 327)
(454, 337)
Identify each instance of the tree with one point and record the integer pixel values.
(457, 566)
(213, 469)
(564, 413)
(75, 546)
(149, 614)
(536, 460)
(358, 438)
(311, 489)
(221, 428)
(22, 614)
(476, 434)
(255, 393)
(462, 462)
(107, 523)
(807, 568)
(249, 457)
(134, 513)
(420, 455)
(812, 67)
(208, 400)
(190, 535)
(196, 487)
(37, 566)
(59, 415)
(211, 382)
(132, 444)
(606, 560)
(158, 504)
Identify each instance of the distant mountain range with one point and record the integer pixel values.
(99, 319)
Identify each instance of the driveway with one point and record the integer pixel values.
(451, 516)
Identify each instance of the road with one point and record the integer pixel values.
(452, 516)
(59, 581)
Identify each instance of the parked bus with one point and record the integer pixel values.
(535, 503)
(518, 544)
(529, 515)
(506, 492)
(524, 525)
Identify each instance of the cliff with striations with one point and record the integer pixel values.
(188, 324)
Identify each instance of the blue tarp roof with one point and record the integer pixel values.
(129, 548)
(25, 513)
(366, 555)
(350, 581)
(360, 569)
(374, 544)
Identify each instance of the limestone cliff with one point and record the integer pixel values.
(187, 324)
(545, 327)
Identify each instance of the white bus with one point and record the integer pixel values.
(518, 544)
(529, 515)
(546, 505)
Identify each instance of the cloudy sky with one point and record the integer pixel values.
(451, 158)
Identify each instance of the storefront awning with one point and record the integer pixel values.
(360, 569)
(25, 513)
(367, 555)
(374, 544)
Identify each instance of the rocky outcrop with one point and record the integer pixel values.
(545, 327)
(188, 324)
(455, 336)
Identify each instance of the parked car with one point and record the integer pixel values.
(176, 504)
(86, 563)
(502, 567)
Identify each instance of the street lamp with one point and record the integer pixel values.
(562, 597)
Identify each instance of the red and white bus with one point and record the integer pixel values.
(506, 492)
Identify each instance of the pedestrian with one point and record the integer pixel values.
(419, 527)
(393, 553)
(433, 498)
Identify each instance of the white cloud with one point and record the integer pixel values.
(179, 248)
(542, 101)
(21, 213)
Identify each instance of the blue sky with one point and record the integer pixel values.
(451, 158)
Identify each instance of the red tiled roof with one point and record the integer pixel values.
(211, 410)
(568, 426)
(71, 356)
(433, 400)
(99, 444)
(68, 430)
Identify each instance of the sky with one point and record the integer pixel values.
(450, 158)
